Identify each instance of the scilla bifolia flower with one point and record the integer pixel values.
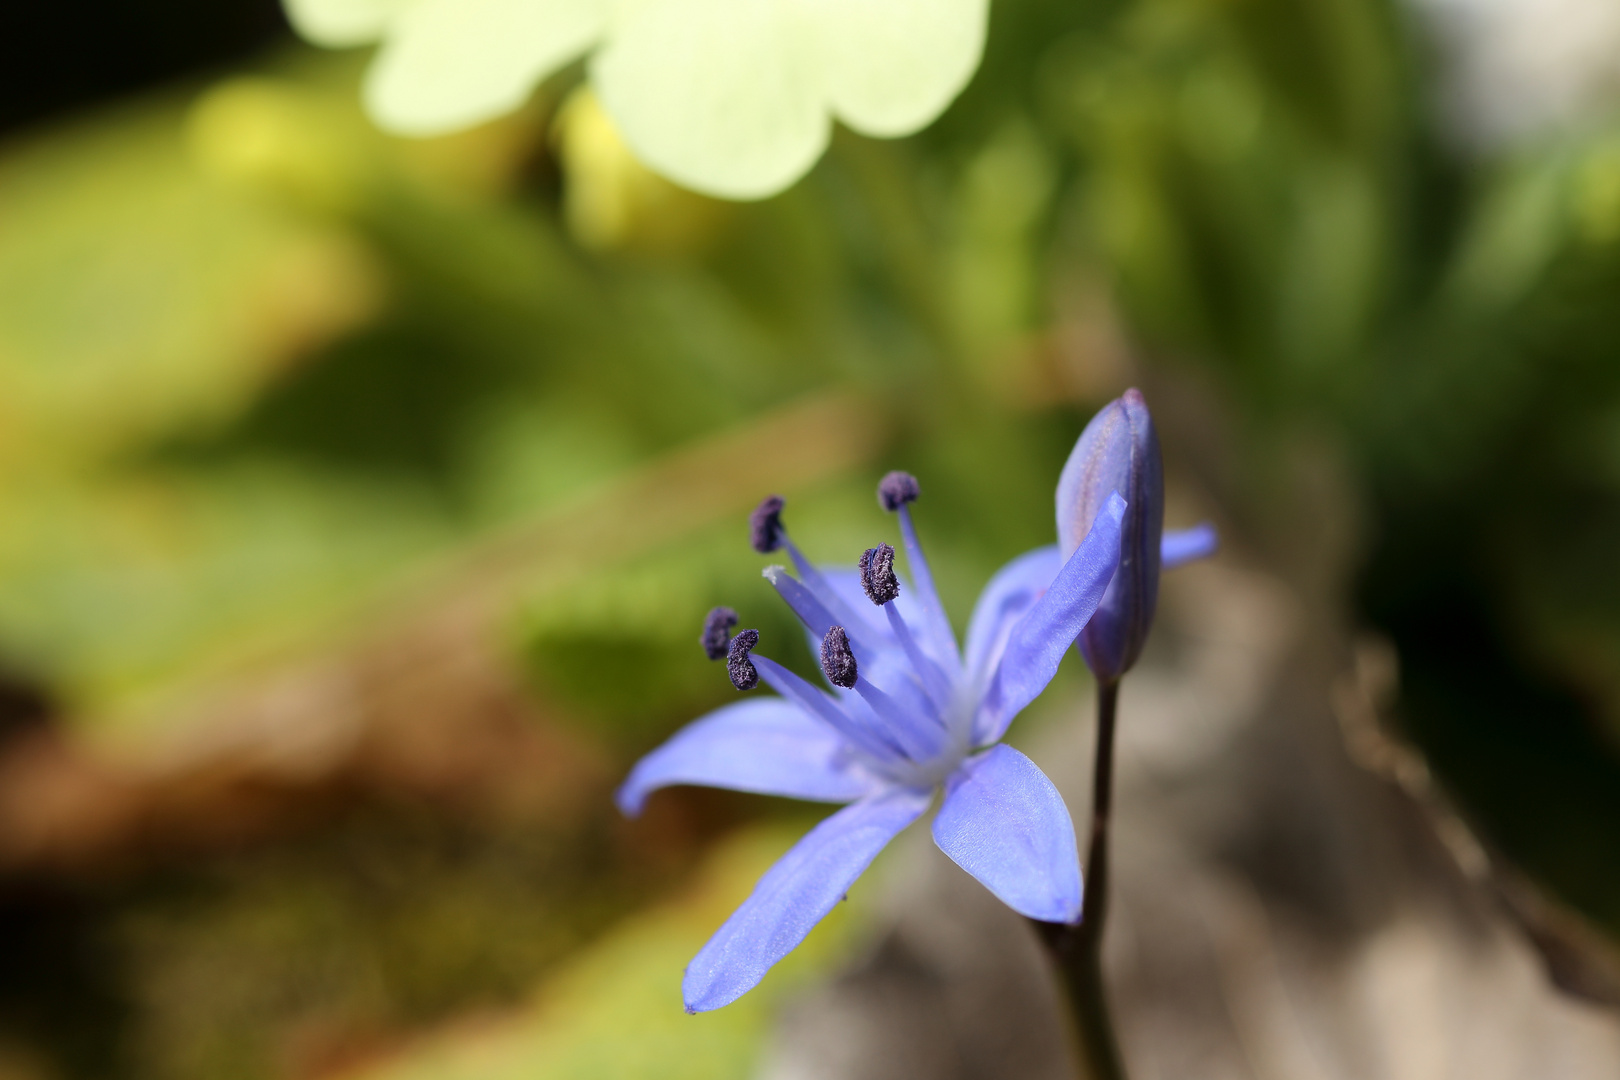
(734, 98)
(904, 713)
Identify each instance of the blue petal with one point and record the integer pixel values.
(1013, 591)
(1182, 546)
(764, 745)
(1039, 640)
(794, 895)
(1003, 822)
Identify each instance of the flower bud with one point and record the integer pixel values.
(1118, 451)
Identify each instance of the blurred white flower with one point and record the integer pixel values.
(729, 97)
(1518, 68)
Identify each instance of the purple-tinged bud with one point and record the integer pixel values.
(717, 632)
(1118, 451)
(877, 574)
(838, 659)
(765, 525)
(743, 674)
(897, 489)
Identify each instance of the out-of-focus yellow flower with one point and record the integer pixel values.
(611, 201)
(733, 98)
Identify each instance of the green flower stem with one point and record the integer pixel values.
(1077, 950)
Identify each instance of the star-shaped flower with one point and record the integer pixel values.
(733, 98)
(906, 713)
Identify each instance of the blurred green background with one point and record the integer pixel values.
(360, 499)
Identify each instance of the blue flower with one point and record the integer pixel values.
(906, 712)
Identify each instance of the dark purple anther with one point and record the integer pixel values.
(765, 525)
(897, 489)
(837, 659)
(877, 574)
(1118, 451)
(717, 632)
(738, 666)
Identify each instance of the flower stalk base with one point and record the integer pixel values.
(1077, 950)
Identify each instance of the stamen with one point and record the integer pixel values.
(822, 590)
(738, 666)
(877, 574)
(837, 661)
(882, 587)
(919, 742)
(897, 489)
(876, 742)
(768, 533)
(896, 492)
(817, 616)
(765, 525)
(935, 683)
(717, 632)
